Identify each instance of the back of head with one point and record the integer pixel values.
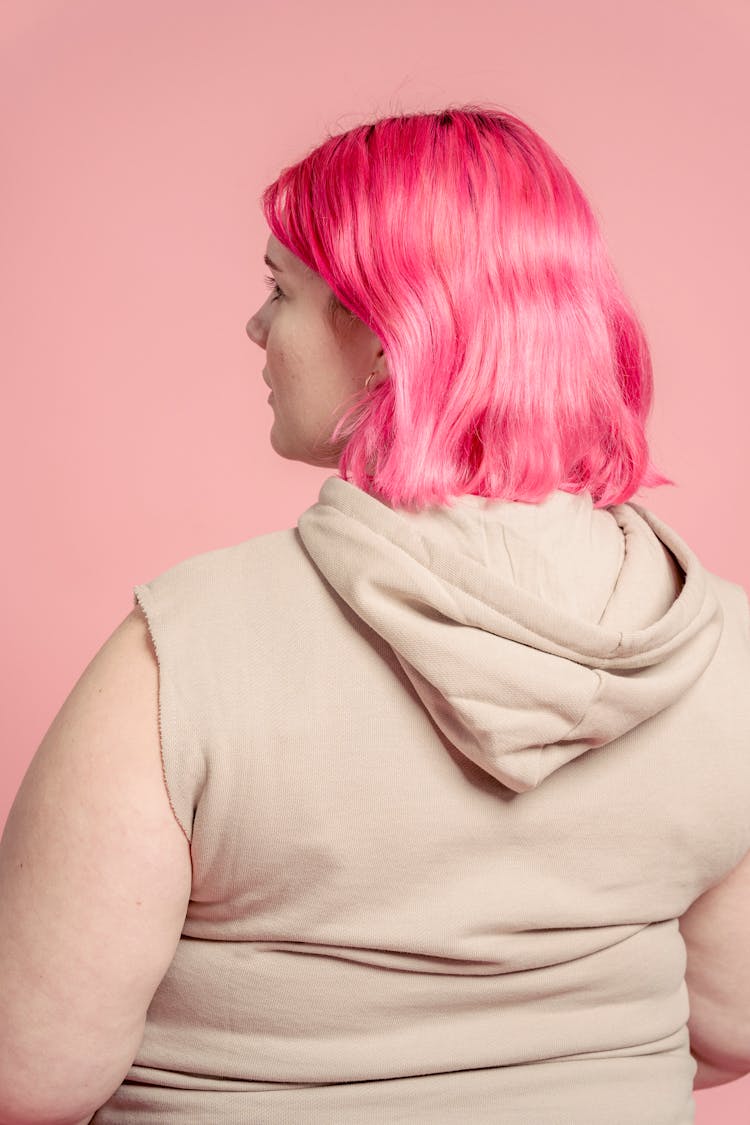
(517, 363)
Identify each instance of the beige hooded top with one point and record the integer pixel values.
(449, 778)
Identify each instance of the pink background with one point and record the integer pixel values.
(136, 139)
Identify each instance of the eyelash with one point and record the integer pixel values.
(272, 284)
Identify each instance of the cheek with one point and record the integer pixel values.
(285, 360)
(275, 357)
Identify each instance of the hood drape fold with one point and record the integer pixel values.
(531, 633)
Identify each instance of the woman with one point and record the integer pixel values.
(455, 773)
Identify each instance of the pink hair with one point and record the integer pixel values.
(517, 363)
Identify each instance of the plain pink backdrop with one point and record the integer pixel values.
(136, 139)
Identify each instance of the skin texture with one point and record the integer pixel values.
(312, 371)
(95, 882)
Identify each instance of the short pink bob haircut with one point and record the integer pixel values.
(517, 363)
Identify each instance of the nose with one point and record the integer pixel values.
(255, 331)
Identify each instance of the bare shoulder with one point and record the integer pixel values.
(95, 880)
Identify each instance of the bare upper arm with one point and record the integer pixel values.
(716, 932)
(95, 879)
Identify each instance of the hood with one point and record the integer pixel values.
(532, 633)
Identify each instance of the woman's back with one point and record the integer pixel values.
(450, 782)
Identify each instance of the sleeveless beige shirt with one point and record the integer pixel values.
(449, 780)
